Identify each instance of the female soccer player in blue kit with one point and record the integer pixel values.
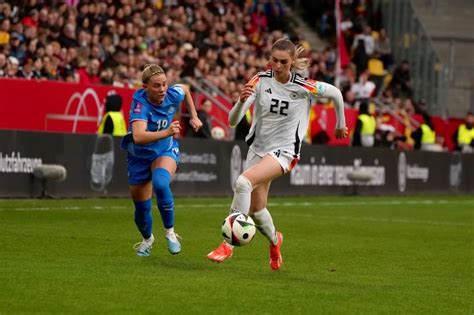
(153, 153)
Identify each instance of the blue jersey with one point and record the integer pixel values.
(158, 117)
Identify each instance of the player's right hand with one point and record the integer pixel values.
(341, 133)
(174, 128)
(246, 92)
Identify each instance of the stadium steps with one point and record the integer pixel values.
(305, 31)
(450, 27)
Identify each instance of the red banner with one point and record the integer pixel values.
(55, 106)
(66, 107)
(76, 108)
(323, 119)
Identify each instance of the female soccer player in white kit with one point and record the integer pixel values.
(282, 101)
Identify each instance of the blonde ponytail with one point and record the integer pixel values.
(301, 63)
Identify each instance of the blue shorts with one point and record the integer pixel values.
(139, 169)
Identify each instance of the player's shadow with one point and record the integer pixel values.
(179, 262)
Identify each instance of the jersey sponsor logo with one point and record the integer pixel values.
(138, 108)
(294, 95)
(170, 110)
(269, 90)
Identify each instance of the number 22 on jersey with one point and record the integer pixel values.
(279, 107)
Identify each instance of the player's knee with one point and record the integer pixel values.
(161, 179)
(256, 207)
(160, 185)
(243, 185)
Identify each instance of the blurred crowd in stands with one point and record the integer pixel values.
(109, 42)
(372, 81)
(224, 42)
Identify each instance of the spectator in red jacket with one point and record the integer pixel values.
(89, 74)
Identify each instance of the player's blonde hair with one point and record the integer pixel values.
(295, 51)
(149, 71)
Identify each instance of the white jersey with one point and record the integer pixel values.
(281, 112)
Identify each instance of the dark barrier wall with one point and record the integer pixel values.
(96, 167)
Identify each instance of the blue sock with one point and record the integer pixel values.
(143, 218)
(161, 186)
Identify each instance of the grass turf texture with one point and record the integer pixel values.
(341, 255)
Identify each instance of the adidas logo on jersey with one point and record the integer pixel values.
(268, 90)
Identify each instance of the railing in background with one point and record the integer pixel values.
(206, 90)
(410, 41)
(214, 89)
(436, 37)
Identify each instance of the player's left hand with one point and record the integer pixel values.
(195, 123)
(341, 133)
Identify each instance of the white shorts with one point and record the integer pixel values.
(286, 160)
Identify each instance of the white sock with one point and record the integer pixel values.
(170, 234)
(242, 195)
(263, 220)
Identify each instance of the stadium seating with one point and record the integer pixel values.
(216, 49)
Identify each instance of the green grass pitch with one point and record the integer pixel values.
(341, 255)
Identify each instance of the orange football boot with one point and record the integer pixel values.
(275, 256)
(221, 253)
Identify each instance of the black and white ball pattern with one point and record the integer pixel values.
(238, 229)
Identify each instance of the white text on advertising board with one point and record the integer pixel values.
(335, 175)
(14, 163)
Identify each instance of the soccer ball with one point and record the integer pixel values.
(217, 133)
(238, 229)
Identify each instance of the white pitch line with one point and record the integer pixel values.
(68, 208)
(315, 216)
(403, 221)
(396, 202)
(427, 202)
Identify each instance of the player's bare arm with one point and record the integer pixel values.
(194, 121)
(142, 136)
